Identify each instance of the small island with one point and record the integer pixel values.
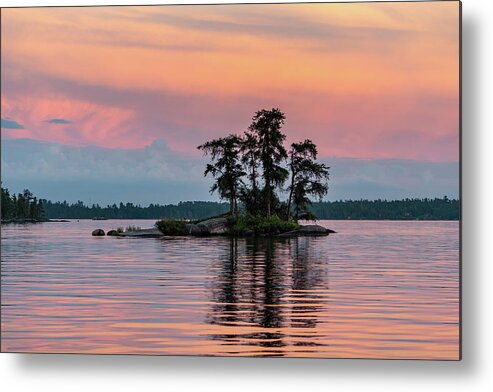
(250, 172)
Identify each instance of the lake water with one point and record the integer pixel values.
(373, 290)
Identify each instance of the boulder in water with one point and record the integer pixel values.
(308, 230)
(98, 233)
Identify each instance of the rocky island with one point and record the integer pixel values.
(218, 226)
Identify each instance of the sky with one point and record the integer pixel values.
(108, 104)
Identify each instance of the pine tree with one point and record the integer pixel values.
(225, 167)
(307, 178)
(266, 126)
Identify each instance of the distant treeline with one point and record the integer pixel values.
(407, 209)
(21, 206)
(182, 210)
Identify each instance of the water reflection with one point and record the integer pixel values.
(268, 284)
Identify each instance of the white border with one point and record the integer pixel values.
(35, 373)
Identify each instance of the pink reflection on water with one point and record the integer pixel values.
(374, 290)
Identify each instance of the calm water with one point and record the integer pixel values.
(374, 290)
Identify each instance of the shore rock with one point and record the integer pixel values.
(98, 233)
(112, 233)
(142, 233)
(196, 230)
(307, 230)
(215, 226)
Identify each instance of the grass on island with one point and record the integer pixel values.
(171, 226)
(259, 225)
(120, 230)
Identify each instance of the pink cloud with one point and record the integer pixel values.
(380, 81)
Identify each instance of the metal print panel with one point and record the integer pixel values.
(271, 180)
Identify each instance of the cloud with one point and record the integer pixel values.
(10, 124)
(391, 178)
(30, 159)
(355, 125)
(362, 80)
(158, 174)
(151, 174)
(58, 121)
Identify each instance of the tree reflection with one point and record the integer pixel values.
(261, 288)
(309, 283)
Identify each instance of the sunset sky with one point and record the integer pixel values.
(125, 94)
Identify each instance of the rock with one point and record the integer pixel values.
(98, 233)
(214, 226)
(142, 233)
(313, 230)
(196, 230)
(307, 230)
(112, 233)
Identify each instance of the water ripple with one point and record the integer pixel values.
(374, 290)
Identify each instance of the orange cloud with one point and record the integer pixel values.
(371, 56)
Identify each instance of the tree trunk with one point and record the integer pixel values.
(291, 189)
(254, 177)
(268, 189)
(288, 215)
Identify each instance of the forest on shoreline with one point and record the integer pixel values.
(23, 206)
(407, 209)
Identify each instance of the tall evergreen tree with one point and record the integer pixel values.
(25, 206)
(308, 177)
(250, 158)
(225, 167)
(6, 204)
(266, 126)
(33, 208)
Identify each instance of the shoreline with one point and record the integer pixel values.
(24, 221)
